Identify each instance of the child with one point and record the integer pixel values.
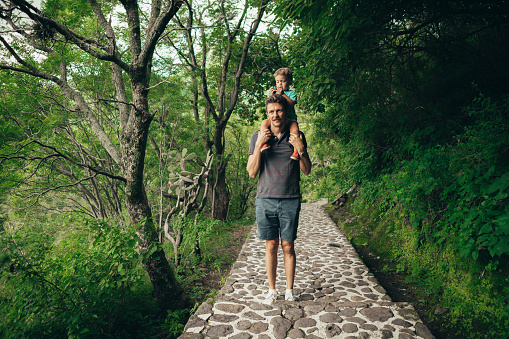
(284, 79)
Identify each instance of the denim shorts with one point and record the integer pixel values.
(277, 218)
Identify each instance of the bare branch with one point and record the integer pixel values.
(157, 29)
(83, 43)
(240, 67)
(57, 153)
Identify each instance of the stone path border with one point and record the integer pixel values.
(337, 295)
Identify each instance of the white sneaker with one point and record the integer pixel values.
(289, 296)
(270, 297)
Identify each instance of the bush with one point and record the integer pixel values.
(443, 216)
(87, 283)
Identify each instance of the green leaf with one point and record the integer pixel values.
(502, 195)
(486, 228)
(475, 255)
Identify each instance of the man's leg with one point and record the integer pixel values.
(290, 262)
(289, 221)
(271, 247)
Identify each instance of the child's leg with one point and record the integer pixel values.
(294, 129)
(264, 126)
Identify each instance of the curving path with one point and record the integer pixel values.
(338, 296)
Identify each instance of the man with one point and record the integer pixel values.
(278, 191)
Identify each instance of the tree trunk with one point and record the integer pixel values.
(167, 290)
(220, 196)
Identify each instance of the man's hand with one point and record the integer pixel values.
(297, 143)
(253, 162)
(263, 137)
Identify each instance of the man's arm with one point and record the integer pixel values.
(304, 161)
(253, 163)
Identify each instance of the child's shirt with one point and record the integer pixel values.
(291, 112)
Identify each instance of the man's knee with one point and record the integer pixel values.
(288, 247)
(271, 246)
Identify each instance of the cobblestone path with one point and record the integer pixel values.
(337, 296)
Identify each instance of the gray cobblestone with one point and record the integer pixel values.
(337, 296)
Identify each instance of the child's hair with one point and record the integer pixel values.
(286, 72)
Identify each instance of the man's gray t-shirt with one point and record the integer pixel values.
(279, 175)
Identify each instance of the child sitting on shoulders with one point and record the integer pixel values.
(284, 79)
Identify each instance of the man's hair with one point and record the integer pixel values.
(286, 72)
(277, 98)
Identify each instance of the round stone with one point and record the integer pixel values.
(313, 309)
(295, 333)
(377, 314)
(280, 326)
(330, 318)
(259, 327)
(243, 325)
(220, 331)
(348, 312)
(350, 328)
(305, 297)
(223, 318)
(229, 308)
(369, 327)
(252, 315)
(293, 314)
(401, 322)
(195, 322)
(304, 323)
(423, 331)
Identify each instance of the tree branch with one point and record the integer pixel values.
(82, 42)
(57, 153)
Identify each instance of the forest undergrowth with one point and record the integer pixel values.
(90, 282)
